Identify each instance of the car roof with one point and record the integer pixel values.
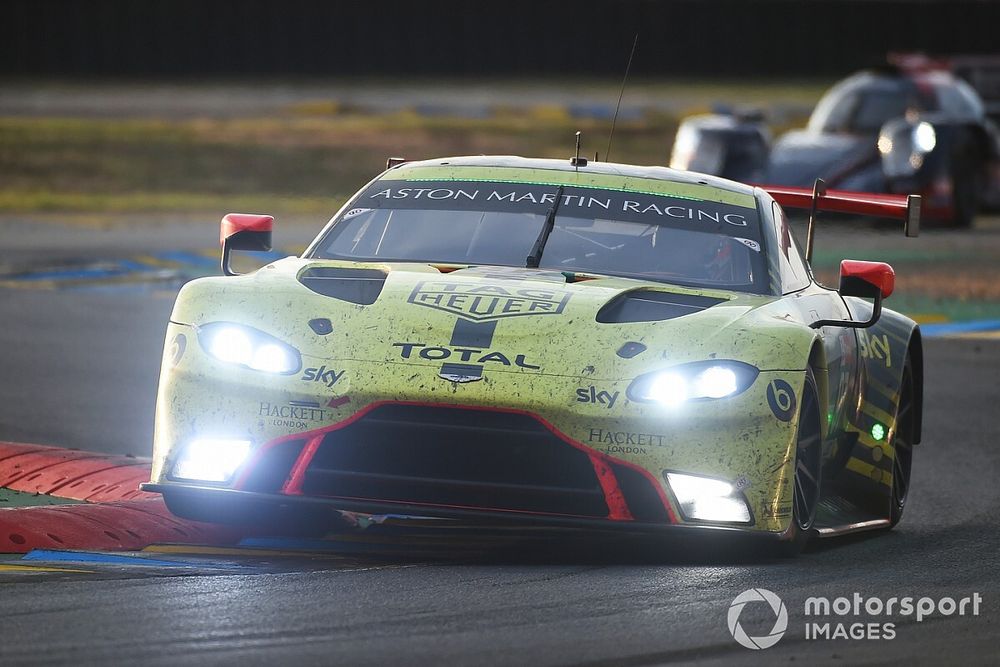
(592, 167)
(902, 78)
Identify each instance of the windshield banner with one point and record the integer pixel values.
(575, 202)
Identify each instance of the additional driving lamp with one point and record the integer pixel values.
(211, 459)
(707, 499)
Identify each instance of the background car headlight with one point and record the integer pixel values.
(924, 137)
(904, 146)
(707, 499)
(696, 381)
(211, 459)
(246, 346)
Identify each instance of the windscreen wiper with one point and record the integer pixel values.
(535, 258)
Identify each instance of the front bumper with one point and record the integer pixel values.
(738, 439)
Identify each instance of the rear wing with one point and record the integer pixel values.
(983, 74)
(900, 207)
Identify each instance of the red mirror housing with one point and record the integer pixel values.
(865, 279)
(244, 231)
(236, 223)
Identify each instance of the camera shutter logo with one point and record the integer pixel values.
(780, 621)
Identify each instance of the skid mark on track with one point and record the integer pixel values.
(171, 561)
(35, 569)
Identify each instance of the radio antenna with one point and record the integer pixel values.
(576, 160)
(611, 135)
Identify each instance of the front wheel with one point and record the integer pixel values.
(902, 445)
(808, 467)
(965, 194)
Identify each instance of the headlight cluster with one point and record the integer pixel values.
(697, 381)
(904, 146)
(246, 346)
(707, 499)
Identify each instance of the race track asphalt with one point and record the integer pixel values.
(78, 368)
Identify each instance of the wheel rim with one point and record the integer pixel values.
(807, 463)
(902, 445)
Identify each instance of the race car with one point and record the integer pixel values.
(546, 343)
(910, 127)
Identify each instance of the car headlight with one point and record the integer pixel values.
(696, 381)
(246, 346)
(905, 145)
(211, 459)
(707, 499)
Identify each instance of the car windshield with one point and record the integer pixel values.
(863, 109)
(611, 232)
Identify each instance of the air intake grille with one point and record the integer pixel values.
(652, 306)
(456, 457)
(361, 286)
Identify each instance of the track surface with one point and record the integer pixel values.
(79, 369)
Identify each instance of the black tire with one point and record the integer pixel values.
(902, 444)
(965, 194)
(807, 483)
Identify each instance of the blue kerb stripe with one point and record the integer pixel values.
(70, 274)
(114, 559)
(119, 268)
(129, 265)
(948, 328)
(186, 258)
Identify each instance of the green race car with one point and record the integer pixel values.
(548, 342)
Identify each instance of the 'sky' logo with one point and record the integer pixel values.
(483, 302)
(321, 374)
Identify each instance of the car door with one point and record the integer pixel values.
(813, 302)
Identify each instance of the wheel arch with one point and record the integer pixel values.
(817, 362)
(915, 349)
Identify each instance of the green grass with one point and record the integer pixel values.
(294, 163)
(10, 498)
(48, 201)
(310, 156)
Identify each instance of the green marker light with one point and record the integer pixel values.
(878, 431)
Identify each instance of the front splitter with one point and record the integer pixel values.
(222, 505)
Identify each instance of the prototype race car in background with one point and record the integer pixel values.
(549, 343)
(912, 127)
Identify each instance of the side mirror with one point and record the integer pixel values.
(866, 280)
(244, 231)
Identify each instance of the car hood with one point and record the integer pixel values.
(500, 319)
(800, 157)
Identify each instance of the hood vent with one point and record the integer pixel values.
(652, 306)
(361, 286)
